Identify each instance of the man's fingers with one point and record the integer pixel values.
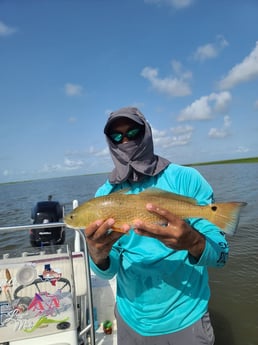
(164, 213)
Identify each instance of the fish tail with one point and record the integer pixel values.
(226, 215)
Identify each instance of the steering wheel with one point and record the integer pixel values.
(60, 284)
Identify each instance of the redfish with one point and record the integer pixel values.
(125, 208)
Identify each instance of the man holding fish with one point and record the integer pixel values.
(154, 226)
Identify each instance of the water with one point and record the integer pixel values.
(234, 288)
(234, 299)
(17, 200)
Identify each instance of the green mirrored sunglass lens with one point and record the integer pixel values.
(116, 136)
(132, 133)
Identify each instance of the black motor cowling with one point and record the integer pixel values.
(45, 212)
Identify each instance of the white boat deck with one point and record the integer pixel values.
(103, 293)
(104, 339)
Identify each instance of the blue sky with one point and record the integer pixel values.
(191, 66)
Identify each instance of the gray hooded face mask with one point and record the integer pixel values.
(135, 159)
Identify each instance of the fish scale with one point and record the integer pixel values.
(126, 208)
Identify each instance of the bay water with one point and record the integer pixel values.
(234, 288)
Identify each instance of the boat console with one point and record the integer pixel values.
(48, 294)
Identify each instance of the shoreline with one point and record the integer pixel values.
(229, 161)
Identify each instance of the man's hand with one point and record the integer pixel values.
(100, 239)
(177, 234)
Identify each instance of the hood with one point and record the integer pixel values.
(135, 159)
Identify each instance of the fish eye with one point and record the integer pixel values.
(214, 208)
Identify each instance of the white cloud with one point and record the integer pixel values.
(210, 50)
(205, 107)
(173, 3)
(103, 153)
(77, 157)
(181, 129)
(179, 70)
(198, 110)
(159, 137)
(172, 86)
(221, 101)
(242, 72)
(49, 168)
(181, 135)
(73, 89)
(73, 164)
(176, 136)
(6, 30)
(67, 165)
(223, 131)
(242, 149)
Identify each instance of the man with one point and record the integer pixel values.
(162, 279)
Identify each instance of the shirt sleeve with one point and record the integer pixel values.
(111, 271)
(216, 249)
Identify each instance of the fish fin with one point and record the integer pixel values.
(121, 191)
(226, 215)
(157, 192)
(118, 229)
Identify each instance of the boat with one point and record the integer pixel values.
(48, 293)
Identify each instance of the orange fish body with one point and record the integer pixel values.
(125, 208)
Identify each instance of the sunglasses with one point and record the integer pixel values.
(117, 137)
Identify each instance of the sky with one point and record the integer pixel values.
(190, 66)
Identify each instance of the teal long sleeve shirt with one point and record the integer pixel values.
(161, 290)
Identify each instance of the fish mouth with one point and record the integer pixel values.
(73, 226)
(68, 223)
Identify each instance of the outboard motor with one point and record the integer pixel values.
(43, 213)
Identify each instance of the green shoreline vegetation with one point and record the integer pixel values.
(229, 161)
